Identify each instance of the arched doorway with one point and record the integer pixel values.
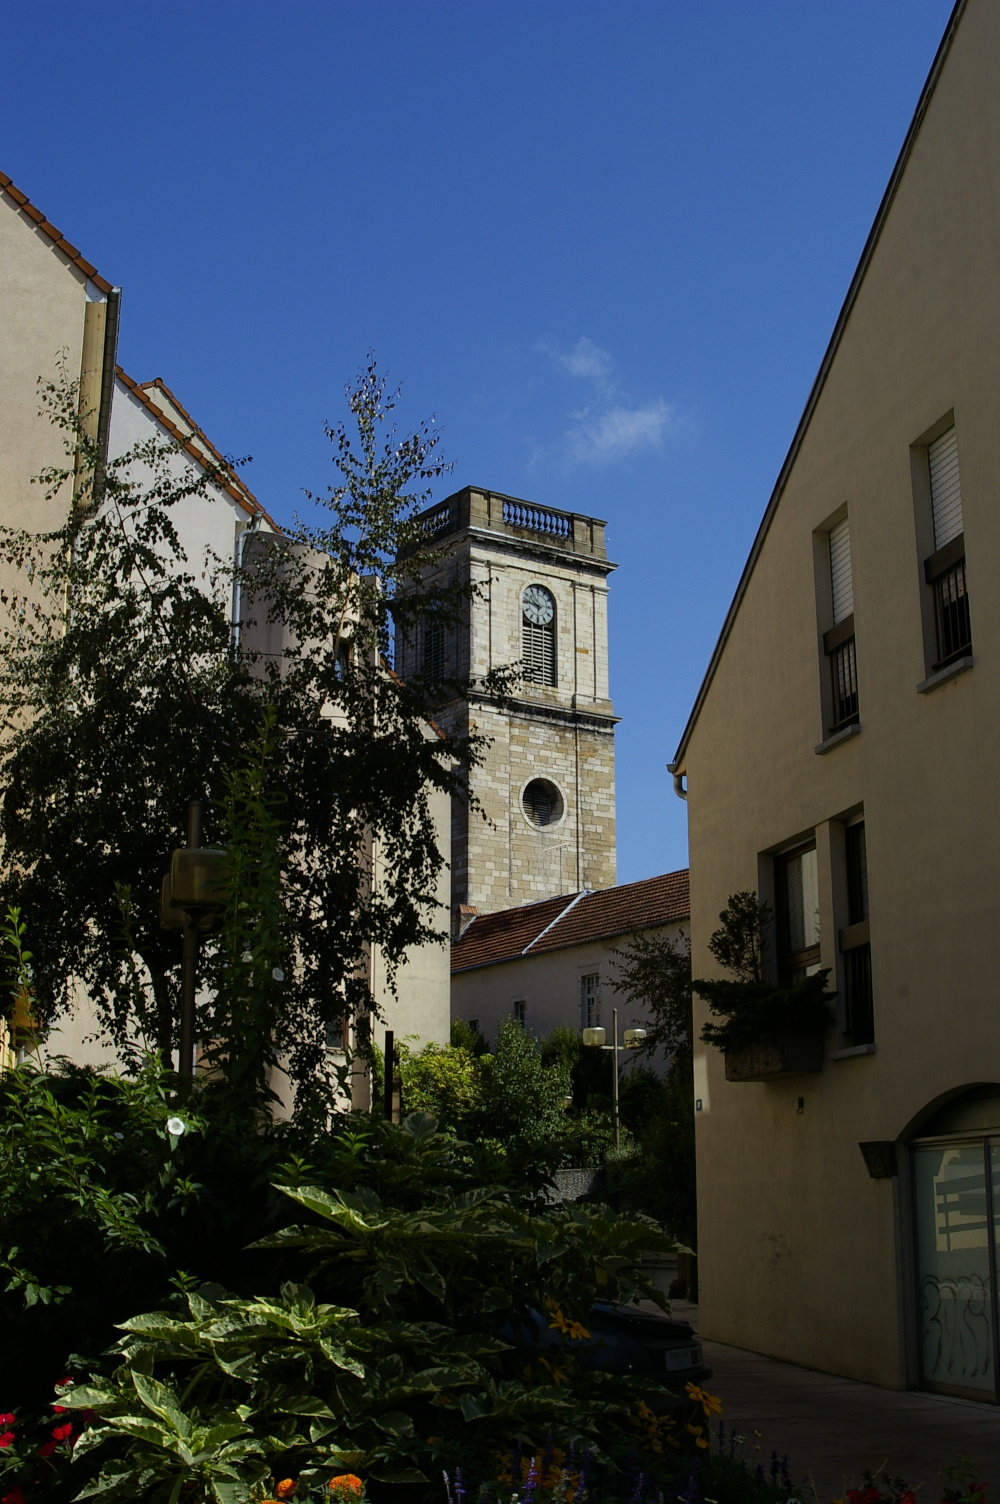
(956, 1194)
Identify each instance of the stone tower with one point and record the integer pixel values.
(547, 787)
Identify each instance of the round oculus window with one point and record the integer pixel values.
(538, 605)
(542, 803)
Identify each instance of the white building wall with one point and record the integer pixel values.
(549, 986)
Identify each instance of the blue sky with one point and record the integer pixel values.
(604, 243)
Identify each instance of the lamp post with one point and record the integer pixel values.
(595, 1039)
(193, 892)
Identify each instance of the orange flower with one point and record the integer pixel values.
(346, 1486)
(285, 1488)
(710, 1403)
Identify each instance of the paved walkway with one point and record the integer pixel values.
(832, 1428)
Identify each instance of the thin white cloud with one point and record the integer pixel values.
(612, 432)
(585, 359)
(611, 424)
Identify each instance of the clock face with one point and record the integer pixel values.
(538, 605)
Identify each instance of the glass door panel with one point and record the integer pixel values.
(953, 1254)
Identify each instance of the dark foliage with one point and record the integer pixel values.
(122, 695)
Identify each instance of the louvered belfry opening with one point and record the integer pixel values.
(434, 664)
(538, 650)
(945, 570)
(839, 641)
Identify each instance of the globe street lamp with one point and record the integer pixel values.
(632, 1039)
(193, 892)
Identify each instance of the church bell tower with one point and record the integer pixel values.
(547, 786)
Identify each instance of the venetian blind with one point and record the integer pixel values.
(946, 495)
(840, 571)
(538, 650)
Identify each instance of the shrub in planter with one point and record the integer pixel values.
(754, 1011)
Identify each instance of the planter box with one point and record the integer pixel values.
(572, 1184)
(784, 1054)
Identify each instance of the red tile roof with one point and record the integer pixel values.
(57, 237)
(572, 919)
(229, 481)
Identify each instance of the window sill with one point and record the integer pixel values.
(851, 1051)
(843, 735)
(944, 674)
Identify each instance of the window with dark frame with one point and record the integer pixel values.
(434, 654)
(944, 571)
(855, 942)
(518, 1009)
(838, 642)
(796, 885)
(590, 1001)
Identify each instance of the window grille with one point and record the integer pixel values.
(590, 1001)
(844, 668)
(860, 1018)
(434, 665)
(538, 650)
(839, 642)
(951, 614)
(518, 1011)
(860, 1010)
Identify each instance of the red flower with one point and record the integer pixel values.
(47, 1449)
(6, 1438)
(7, 1420)
(59, 1409)
(62, 1432)
(62, 1383)
(14, 1497)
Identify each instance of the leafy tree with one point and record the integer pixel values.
(523, 1101)
(590, 1070)
(465, 1037)
(121, 696)
(740, 943)
(654, 972)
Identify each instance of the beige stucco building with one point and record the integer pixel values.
(554, 963)
(59, 315)
(546, 823)
(841, 759)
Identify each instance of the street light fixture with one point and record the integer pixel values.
(193, 892)
(595, 1039)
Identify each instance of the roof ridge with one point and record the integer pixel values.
(57, 237)
(562, 915)
(232, 486)
(158, 381)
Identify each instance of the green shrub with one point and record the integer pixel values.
(523, 1101)
(442, 1080)
(393, 1357)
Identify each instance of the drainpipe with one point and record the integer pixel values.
(678, 778)
(109, 365)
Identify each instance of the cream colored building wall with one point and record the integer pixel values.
(801, 1254)
(549, 986)
(207, 522)
(419, 1010)
(43, 298)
